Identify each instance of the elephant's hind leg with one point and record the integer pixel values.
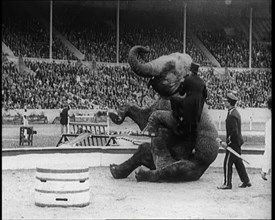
(182, 170)
(142, 156)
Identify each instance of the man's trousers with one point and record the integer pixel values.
(229, 160)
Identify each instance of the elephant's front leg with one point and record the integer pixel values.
(142, 156)
(183, 170)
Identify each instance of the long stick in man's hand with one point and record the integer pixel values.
(230, 149)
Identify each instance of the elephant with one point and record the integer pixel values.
(168, 157)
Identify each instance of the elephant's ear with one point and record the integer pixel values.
(165, 85)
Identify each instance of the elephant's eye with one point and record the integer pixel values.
(169, 66)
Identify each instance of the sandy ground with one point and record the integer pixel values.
(126, 198)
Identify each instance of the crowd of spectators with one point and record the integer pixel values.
(111, 86)
(54, 84)
(95, 35)
(27, 37)
(251, 87)
(233, 51)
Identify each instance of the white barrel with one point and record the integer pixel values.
(57, 186)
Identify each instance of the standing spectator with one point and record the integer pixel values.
(25, 117)
(64, 119)
(25, 122)
(266, 163)
(234, 140)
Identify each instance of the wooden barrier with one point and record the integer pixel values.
(94, 128)
(87, 139)
(65, 138)
(62, 186)
(80, 140)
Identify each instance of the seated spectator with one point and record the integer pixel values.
(113, 85)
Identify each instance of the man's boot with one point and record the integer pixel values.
(224, 187)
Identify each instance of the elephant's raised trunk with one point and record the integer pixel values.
(141, 69)
(166, 72)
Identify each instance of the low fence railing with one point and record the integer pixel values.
(94, 128)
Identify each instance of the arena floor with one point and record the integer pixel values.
(126, 198)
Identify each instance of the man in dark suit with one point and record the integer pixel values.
(234, 140)
(64, 119)
(187, 110)
(186, 107)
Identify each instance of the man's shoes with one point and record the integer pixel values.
(243, 185)
(224, 187)
(263, 175)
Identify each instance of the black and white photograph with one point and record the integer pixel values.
(136, 109)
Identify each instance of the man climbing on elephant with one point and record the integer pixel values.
(187, 104)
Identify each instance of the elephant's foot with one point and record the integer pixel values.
(146, 175)
(116, 173)
(142, 156)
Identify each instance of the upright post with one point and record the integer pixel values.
(51, 28)
(184, 27)
(68, 125)
(117, 34)
(250, 40)
(108, 122)
(220, 123)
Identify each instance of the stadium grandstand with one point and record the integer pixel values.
(76, 51)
